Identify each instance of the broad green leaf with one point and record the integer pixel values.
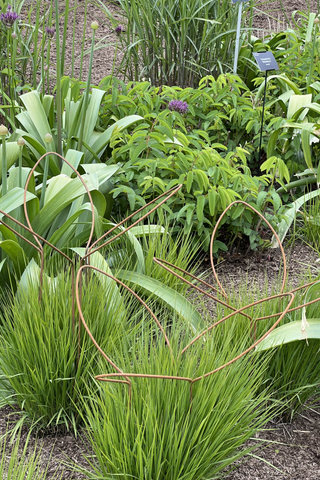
(104, 138)
(13, 179)
(37, 115)
(55, 186)
(55, 238)
(15, 253)
(296, 102)
(92, 113)
(200, 206)
(31, 278)
(97, 260)
(290, 214)
(38, 150)
(189, 180)
(212, 195)
(65, 196)
(74, 158)
(13, 199)
(306, 132)
(312, 16)
(170, 297)
(12, 154)
(7, 234)
(101, 172)
(141, 230)
(290, 332)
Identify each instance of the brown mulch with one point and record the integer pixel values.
(292, 450)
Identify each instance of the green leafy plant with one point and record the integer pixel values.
(46, 378)
(162, 433)
(293, 370)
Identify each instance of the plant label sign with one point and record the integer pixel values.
(242, 1)
(266, 61)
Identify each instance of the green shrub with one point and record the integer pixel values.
(197, 149)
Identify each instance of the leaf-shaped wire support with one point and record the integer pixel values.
(122, 377)
(237, 202)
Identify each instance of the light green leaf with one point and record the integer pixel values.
(74, 158)
(15, 253)
(290, 214)
(296, 102)
(290, 332)
(37, 115)
(12, 154)
(141, 230)
(170, 297)
(13, 199)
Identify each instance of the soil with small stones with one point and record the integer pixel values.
(283, 450)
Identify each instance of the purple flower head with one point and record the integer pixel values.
(50, 32)
(178, 106)
(9, 17)
(118, 30)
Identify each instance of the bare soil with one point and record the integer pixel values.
(283, 450)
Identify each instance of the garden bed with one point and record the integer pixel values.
(283, 449)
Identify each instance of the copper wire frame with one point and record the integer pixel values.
(124, 377)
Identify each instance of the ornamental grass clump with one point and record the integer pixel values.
(175, 42)
(42, 370)
(162, 431)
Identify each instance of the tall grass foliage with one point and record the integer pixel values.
(41, 367)
(292, 374)
(176, 42)
(158, 432)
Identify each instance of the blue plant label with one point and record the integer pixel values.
(242, 1)
(266, 61)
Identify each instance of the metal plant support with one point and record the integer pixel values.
(125, 377)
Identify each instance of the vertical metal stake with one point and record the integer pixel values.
(262, 118)
(236, 52)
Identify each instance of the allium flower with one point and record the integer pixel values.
(3, 130)
(47, 138)
(178, 106)
(118, 30)
(9, 17)
(50, 32)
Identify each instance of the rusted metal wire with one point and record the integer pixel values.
(124, 286)
(125, 377)
(237, 202)
(167, 195)
(118, 377)
(163, 264)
